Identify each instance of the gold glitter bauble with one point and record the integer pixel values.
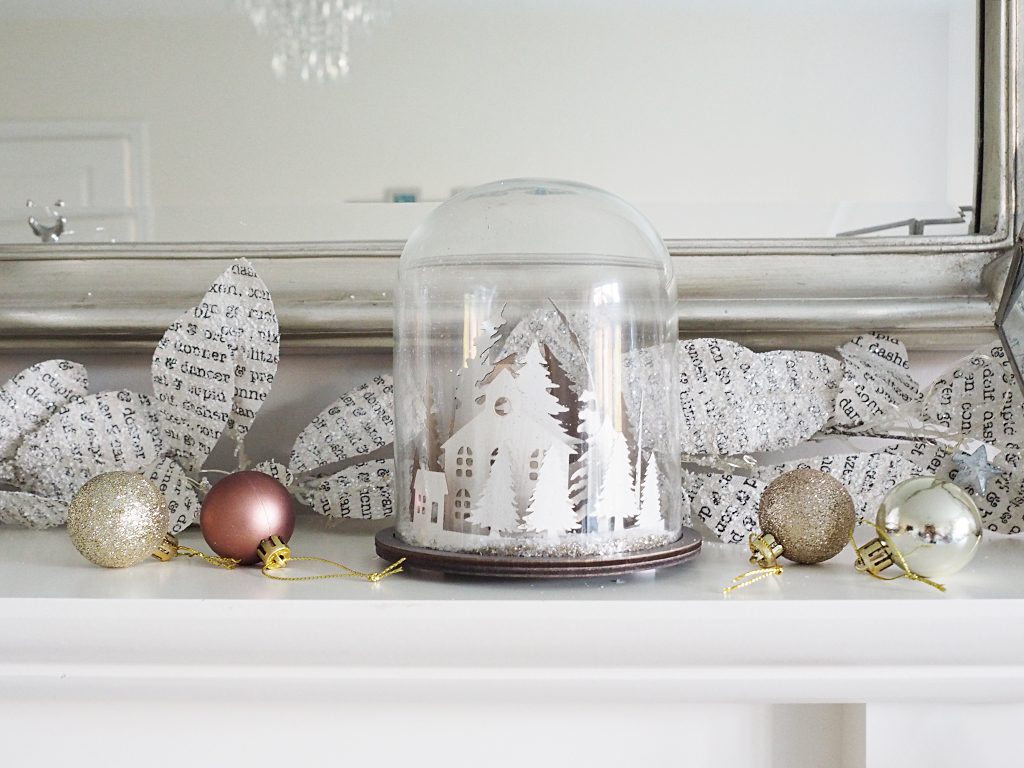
(117, 519)
(809, 513)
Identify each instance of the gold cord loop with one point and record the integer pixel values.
(220, 562)
(764, 553)
(752, 577)
(170, 548)
(275, 555)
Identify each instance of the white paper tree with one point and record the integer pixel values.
(639, 458)
(497, 505)
(581, 478)
(650, 518)
(616, 500)
(578, 485)
(550, 510)
(484, 341)
(535, 382)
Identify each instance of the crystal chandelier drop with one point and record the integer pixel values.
(313, 37)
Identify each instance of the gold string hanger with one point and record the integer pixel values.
(765, 552)
(275, 555)
(170, 548)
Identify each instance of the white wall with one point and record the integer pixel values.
(718, 119)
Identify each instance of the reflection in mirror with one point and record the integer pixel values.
(166, 120)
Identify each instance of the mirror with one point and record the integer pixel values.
(1010, 318)
(165, 121)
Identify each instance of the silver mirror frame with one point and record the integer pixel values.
(1011, 292)
(935, 292)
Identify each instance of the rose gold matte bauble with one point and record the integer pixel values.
(242, 510)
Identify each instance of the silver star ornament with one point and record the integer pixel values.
(975, 470)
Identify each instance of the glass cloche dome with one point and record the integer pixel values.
(536, 376)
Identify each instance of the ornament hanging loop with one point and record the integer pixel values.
(765, 550)
(170, 548)
(276, 555)
(881, 553)
(874, 557)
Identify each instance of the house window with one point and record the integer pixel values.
(462, 504)
(464, 459)
(494, 456)
(433, 512)
(535, 458)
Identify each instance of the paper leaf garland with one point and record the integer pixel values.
(259, 339)
(361, 491)
(182, 499)
(194, 398)
(357, 423)
(979, 399)
(727, 504)
(735, 401)
(94, 434)
(215, 366)
(876, 386)
(30, 398)
(31, 511)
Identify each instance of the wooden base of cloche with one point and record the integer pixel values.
(390, 547)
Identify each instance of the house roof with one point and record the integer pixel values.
(507, 363)
(519, 421)
(502, 382)
(425, 477)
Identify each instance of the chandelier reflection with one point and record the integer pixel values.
(313, 37)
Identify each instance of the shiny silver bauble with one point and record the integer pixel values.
(933, 523)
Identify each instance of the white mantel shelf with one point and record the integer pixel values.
(817, 634)
(821, 667)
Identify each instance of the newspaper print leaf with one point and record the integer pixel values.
(108, 431)
(30, 398)
(215, 366)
